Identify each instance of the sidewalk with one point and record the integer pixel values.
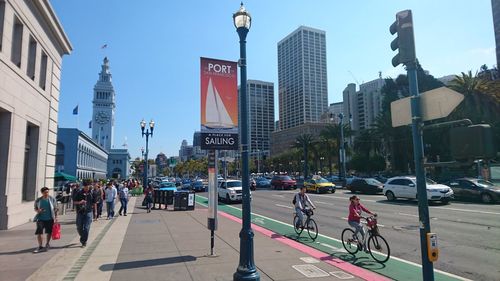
(163, 245)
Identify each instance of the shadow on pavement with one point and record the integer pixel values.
(145, 263)
(30, 250)
(364, 262)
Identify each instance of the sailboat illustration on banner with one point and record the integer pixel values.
(216, 115)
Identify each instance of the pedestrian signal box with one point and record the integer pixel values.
(432, 247)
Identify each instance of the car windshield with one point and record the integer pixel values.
(167, 184)
(285, 178)
(429, 181)
(483, 183)
(373, 182)
(321, 180)
(234, 184)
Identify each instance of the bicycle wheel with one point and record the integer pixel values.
(349, 241)
(298, 230)
(377, 243)
(312, 229)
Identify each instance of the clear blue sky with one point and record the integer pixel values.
(154, 48)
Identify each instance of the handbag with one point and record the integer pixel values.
(56, 231)
(144, 202)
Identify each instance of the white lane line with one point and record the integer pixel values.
(321, 202)
(278, 195)
(410, 215)
(283, 206)
(469, 211)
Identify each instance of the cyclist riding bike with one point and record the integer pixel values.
(355, 211)
(302, 201)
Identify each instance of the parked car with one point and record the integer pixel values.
(230, 190)
(283, 182)
(319, 185)
(166, 185)
(336, 180)
(406, 187)
(198, 186)
(475, 189)
(366, 185)
(263, 182)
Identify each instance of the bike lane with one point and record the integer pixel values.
(394, 268)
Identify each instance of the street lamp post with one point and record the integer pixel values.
(246, 268)
(321, 163)
(342, 148)
(149, 132)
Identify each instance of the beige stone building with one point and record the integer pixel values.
(32, 43)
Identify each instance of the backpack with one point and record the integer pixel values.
(294, 201)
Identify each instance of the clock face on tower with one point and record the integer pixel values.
(102, 117)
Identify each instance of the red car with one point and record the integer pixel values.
(283, 182)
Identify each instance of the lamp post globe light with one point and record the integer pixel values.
(246, 268)
(146, 132)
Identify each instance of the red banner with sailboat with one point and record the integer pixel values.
(219, 104)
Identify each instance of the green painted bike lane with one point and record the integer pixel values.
(394, 268)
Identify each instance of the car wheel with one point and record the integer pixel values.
(333, 190)
(317, 190)
(486, 198)
(390, 196)
(446, 201)
(227, 198)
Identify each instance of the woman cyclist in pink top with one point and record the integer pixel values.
(355, 210)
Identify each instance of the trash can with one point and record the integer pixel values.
(184, 200)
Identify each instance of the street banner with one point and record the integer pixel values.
(219, 104)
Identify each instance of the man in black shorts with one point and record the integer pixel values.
(46, 215)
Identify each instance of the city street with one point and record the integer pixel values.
(467, 232)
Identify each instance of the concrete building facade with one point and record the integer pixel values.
(77, 154)
(32, 44)
(302, 76)
(283, 140)
(495, 7)
(118, 164)
(103, 108)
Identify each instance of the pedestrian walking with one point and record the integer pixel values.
(85, 204)
(123, 194)
(98, 194)
(148, 198)
(110, 194)
(46, 215)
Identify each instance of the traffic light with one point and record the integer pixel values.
(405, 40)
(472, 142)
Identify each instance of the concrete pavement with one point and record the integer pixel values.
(163, 245)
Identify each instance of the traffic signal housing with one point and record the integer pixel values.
(405, 41)
(472, 142)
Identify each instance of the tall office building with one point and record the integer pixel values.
(261, 116)
(364, 105)
(103, 116)
(495, 6)
(303, 93)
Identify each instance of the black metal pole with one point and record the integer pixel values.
(246, 268)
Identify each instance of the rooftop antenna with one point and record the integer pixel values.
(353, 77)
(125, 143)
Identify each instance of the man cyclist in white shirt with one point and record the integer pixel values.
(302, 201)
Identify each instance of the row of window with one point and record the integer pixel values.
(17, 47)
(117, 161)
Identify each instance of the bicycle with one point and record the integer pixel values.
(376, 242)
(309, 224)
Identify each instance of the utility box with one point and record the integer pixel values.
(184, 200)
(472, 142)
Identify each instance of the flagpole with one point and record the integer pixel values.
(78, 117)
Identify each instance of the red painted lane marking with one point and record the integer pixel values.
(350, 268)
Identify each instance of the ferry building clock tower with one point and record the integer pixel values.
(103, 116)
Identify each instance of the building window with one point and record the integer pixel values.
(2, 17)
(31, 59)
(30, 162)
(43, 70)
(17, 42)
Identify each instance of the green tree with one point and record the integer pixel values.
(305, 142)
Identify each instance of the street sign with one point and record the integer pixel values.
(437, 103)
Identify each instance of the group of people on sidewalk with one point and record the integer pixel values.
(302, 201)
(88, 203)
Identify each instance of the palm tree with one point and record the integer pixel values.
(305, 141)
(479, 103)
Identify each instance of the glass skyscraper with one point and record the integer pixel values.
(303, 92)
